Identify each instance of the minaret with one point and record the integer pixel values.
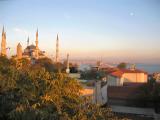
(68, 70)
(57, 49)
(19, 51)
(36, 44)
(28, 41)
(3, 43)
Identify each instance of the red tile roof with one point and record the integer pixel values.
(117, 73)
(132, 71)
(120, 72)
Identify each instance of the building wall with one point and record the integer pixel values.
(134, 77)
(100, 93)
(113, 81)
(87, 91)
(97, 93)
(74, 75)
(104, 94)
(127, 77)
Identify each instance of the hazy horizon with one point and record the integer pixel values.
(115, 31)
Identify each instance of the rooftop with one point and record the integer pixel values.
(31, 47)
(120, 72)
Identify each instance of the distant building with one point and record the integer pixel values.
(19, 51)
(3, 43)
(101, 66)
(118, 77)
(57, 60)
(67, 69)
(33, 51)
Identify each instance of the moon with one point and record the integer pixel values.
(131, 14)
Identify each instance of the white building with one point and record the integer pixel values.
(118, 77)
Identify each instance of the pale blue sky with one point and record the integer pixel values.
(120, 30)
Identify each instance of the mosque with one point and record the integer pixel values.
(31, 52)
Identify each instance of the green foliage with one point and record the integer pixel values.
(92, 74)
(122, 65)
(25, 63)
(150, 93)
(89, 74)
(37, 94)
(4, 61)
(48, 64)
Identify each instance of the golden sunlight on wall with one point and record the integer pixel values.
(87, 91)
(134, 77)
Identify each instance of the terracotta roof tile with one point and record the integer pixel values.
(120, 72)
(117, 73)
(132, 71)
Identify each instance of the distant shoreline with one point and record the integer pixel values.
(150, 68)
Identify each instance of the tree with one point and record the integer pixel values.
(93, 75)
(49, 65)
(150, 93)
(46, 63)
(4, 61)
(89, 74)
(122, 65)
(37, 94)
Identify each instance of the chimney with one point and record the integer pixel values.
(133, 67)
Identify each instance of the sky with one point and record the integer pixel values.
(112, 30)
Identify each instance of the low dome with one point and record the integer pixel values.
(31, 47)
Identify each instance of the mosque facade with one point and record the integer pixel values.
(31, 52)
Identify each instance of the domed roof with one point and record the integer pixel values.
(31, 47)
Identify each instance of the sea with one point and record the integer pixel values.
(149, 68)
